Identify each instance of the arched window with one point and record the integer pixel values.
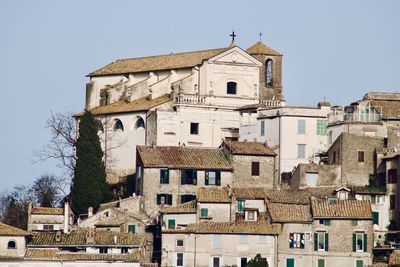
(268, 72)
(118, 125)
(231, 88)
(100, 127)
(139, 123)
(11, 244)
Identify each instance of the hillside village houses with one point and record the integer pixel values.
(225, 170)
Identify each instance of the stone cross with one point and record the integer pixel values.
(233, 35)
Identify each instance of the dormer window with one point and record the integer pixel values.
(139, 123)
(118, 125)
(231, 88)
(268, 72)
(11, 244)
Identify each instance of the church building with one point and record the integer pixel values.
(179, 99)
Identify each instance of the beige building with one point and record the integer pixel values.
(50, 219)
(12, 242)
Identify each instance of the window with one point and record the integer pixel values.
(251, 215)
(361, 156)
(240, 206)
(124, 250)
(359, 263)
(194, 128)
(231, 88)
(377, 199)
(118, 125)
(216, 241)
(212, 178)
(215, 262)
(321, 241)
(375, 217)
(262, 133)
(392, 205)
(301, 127)
(164, 176)
(204, 213)
(189, 177)
(243, 239)
(321, 263)
(321, 127)
(100, 127)
(48, 227)
(103, 250)
(325, 222)
(171, 223)
(392, 176)
(164, 199)
(296, 240)
(187, 198)
(311, 179)
(11, 244)
(243, 262)
(179, 243)
(139, 123)
(355, 222)
(301, 151)
(132, 228)
(289, 262)
(179, 259)
(255, 168)
(359, 242)
(268, 72)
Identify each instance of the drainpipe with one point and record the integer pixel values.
(276, 251)
(195, 251)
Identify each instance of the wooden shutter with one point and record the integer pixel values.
(315, 241)
(365, 242)
(194, 175)
(206, 179)
(326, 241)
(168, 199)
(302, 241)
(158, 199)
(321, 263)
(218, 178)
(291, 240)
(359, 263)
(375, 217)
(353, 222)
(354, 243)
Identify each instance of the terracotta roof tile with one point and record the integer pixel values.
(8, 230)
(183, 157)
(342, 209)
(77, 237)
(55, 255)
(141, 104)
(261, 48)
(249, 148)
(161, 62)
(388, 109)
(368, 190)
(249, 192)
(47, 211)
(188, 207)
(213, 195)
(238, 227)
(299, 196)
(109, 222)
(282, 213)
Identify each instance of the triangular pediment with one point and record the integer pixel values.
(235, 55)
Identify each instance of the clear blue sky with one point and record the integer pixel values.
(336, 49)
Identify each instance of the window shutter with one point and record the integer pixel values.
(327, 222)
(169, 199)
(301, 240)
(167, 176)
(206, 178)
(353, 223)
(194, 177)
(158, 199)
(326, 241)
(218, 178)
(375, 217)
(354, 243)
(365, 242)
(315, 242)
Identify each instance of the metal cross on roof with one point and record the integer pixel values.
(260, 35)
(233, 35)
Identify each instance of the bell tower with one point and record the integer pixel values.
(270, 71)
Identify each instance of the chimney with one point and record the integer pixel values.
(58, 236)
(66, 217)
(29, 215)
(115, 239)
(90, 212)
(90, 237)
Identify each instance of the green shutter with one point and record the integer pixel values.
(240, 205)
(326, 241)
(301, 240)
(327, 222)
(289, 262)
(132, 228)
(321, 263)
(375, 217)
(168, 199)
(204, 212)
(158, 199)
(194, 177)
(359, 263)
(354, 243)
(171, 224)
(365, 242)
(315, 241)
(206, 179)
(218, 178)
(353, 222)
(291, 241)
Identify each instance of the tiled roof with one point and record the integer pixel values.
(55, 255)
(261, 48)
(77, 237)
(109, 222)
(188, 207)
(349, 209)
(213, 195)
(249, 148)
(161, 62)
(368, 190)
(299, 196)
(249, 192)
(183, 157)
(141, 104)
(282, 213)
(238, 227)
(47, 211)
(388, 109)
(8, 230)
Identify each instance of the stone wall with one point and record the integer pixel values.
(242, 171)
